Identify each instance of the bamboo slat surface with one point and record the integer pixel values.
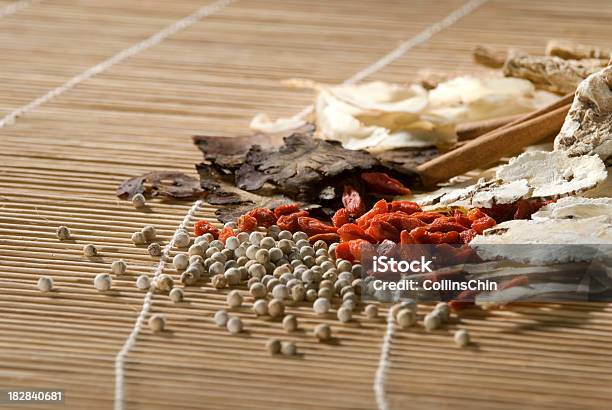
(61, 162)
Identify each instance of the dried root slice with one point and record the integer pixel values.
(588, 126)
(489, 57)
(572, 51)
(575, 207)
(551, 73)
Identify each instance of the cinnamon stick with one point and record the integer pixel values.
(471, 130)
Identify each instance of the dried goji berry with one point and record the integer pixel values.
(406, 239)
(380, 230)
(475, 213)
(264, 216)
(467, 235)
(201, 227)
(379, 207)
(462, 219)
(407, 207)
(427, 217)
(341, 217)
(290, 222)
(381, 183)
(247, 223)
(356, 247)
(285, 210)
(480, 224)
(446, 224)
(352, 201)
(312, 226)
(399, 220)
(226, 233)
(343, 251)
(349, 232)
(422, 235)
(328, 238)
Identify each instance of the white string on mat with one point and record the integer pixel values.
(379, 381)
(155, 39)
(15, 7)
(146, 307)
(406, 46)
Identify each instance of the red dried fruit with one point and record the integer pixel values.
(427, 217)
(247, 223)
(264, 216)
(381, 183)
(407, 207)
(422, 235)
(446, 224)
(467, 235)
(349, 232)
(290, 222)
(480, 224)
(341, 217)
(352, 201)
(379, 207)
(406, 239)
(463, 300)
(380, 230)
(356, 247)
(462, 219)
(343, 251)
(285, 210)
(201, 227)
(312, 226)
(226, 233)
(475, 213)
(521, 280)
(328, 238)
(399, 220)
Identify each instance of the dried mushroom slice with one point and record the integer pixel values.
(588, 126)
(488, 193)
(575, 207)
(554, 174)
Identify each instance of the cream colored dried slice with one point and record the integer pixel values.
(262, 123)
(554, 174)
(487, 193)
(588, 126)
(575, 207)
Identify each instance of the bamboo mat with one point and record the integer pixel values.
(61, 162)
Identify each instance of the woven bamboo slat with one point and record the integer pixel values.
(61, 162)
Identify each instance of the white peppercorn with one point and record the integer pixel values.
(176, 295)
(45, 284)
(290, 323)
(300, 235)
(188, 278)
(262, 256)
(234, 299)
(349, 304)
(149, 233)
(221, 317)
(90, 250)
(286, 277)
(233, 276)
(118, 267)
(267, 243)
(443, 310)
(216, 268)
(154, 249)
(216, 244)
(143, 282)
(344, 266)
(251, 251)
(298, 293)
(280, 292)
(311, 295)
(357, 270)
(232, 243)
(157, 323)
(407, 304)
(243, 237)
(182, 239)
(432, 321)
(218, 281)
(285, 235)
(325, 293)
(331, 251)
(229, 254)
(284, 245)
(309, 261)
(139, 201)
(103, 282)
(276, 254)
(405, 318)
(196, 249)
(273, 346)
(320, 245)
(63, 233)
(230, 224)
(257, 270)
(244, 273)
(462, 337)
(210, 252)
(321, 306)
(289, 348)
(163, 283)
(234, 325)
(276, 308)
(260, 307)
(323, 332)
(371, 311)
(242, 261)
(255, 238)
(344, 314)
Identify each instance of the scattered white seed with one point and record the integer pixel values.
(90, 250)
(196, 250)
(176, 295)
(234, 325)
(138, 238)
(234, 299)
(143, 282)
(180, 262)
(407, 304)
(154, 249)
(432, 321)
(311, 295)
(345, 315)
(443, 310)
(462, 338)
(157, 323)
(149, 233)
(260, 307)
(103, 282)
(118, 267)
(163, 283)
(273, 346)
(280, 292)
(325, 293)
(218, 281)
(298, 293)
(262, 256)
(189, 277)
(321, 306)
(232, 243)
(221, 317)
(267, 242)
(233, 276)
(258, 290)
(344, 266)
(371, 311)
(276, 308)
(182, 239)
(63, 233)
(216, 268)
(300, 235)
(289, 348)
(323, 332)
(406, 318)
(139, 201)
(45, 284)
(290, 323)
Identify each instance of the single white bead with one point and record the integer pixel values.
(260, 307)
(149, 233)
(164, 283)
(157, 323)
(258, 290)
(176, 295)
(182, 239)
(139, 201)
(406, 318)
(234, 299)
(321, 306)
(323, 332)
(276, 308)
(290, 323)
(90, 250)
(138, 238)
(63, 233)
(232, 243)
(118, 267)
(180, 262)
(234, 325)
(255, 238)
(143, 282)
(280, 292)
(221, 317)
(289, 348)
(344, 314)
(154, 249)
(443, 310)
(233, 276)
(45, 284)
(462, 337)
(273, 346)
(371, 311)
(432, 321)
(103, 282)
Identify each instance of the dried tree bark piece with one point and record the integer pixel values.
(551, 73)
(573, 51)
(167, 183)
(489, 57)
(588, 126)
